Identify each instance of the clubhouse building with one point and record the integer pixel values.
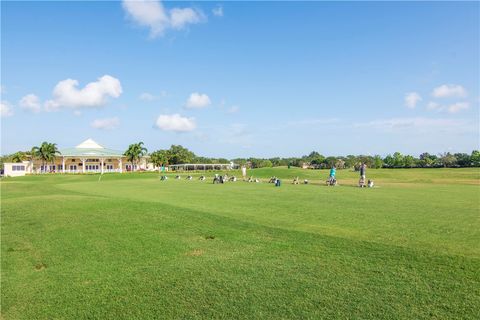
(86, 157)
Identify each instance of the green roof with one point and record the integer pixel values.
(90, 152)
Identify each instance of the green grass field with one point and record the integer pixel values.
(133, 247)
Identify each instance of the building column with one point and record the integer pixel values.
(63, 164)
(120, 165)
(102, 161)
(83, 164)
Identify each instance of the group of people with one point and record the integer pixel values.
(331, 181)
(362, 182)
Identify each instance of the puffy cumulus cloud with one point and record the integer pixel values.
(218, 11)
(5, 109)
(180, 18)
(411, 99)
(31, 102)
(449, 91)
(175, 122)
(95, 94)
(457, 107)
(153, 15)
(105, 124)
(198, 100)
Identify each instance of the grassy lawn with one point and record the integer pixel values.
(133, 247)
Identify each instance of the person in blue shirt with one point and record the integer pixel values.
(332, 172)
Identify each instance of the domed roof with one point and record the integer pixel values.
(90, 148)
(89, 144)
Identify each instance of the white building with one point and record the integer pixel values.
(12, 169)
(86, 157)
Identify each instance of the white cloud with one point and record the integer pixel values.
(3, 90)
(179, 18)
(449, 90)
(5, 109)
(77, 113)
(453, 108)
(95, 94)
(31, 103)
(105, 124)
(175, 122)
(411, 99)
(218, 11)
(233, 109)
(153, 15)
(198, 100)
(456, 107)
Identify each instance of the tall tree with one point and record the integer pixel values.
(463, 159)
(47, 152)
(408, 161)
(159, 158)
(448, 159)
(475, 158)
(378, 162)
(178, 154)
(398, 160)
(134, 152)
(19, 157)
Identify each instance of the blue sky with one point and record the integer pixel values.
(239, 79)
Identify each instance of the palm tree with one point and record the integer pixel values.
(135, 152)
(19, 156)
(159, 158)
(47, 152)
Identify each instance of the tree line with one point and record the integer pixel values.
(315, 160)
(177, 154)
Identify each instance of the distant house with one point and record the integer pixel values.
(307, 165)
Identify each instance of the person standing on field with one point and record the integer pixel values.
(333, 171)
(244, 172)
(363, 168)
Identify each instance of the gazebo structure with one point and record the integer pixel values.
(89, 156)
